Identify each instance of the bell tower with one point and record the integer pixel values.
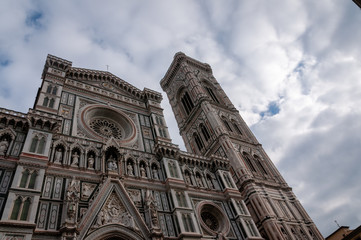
(210, 125)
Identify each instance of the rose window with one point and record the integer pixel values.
(106, 128)
(213, 219)
(103, 122)
(210, 220)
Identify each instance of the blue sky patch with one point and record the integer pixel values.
(272, 110)
(33, 19)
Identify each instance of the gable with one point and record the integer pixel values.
(112, 208)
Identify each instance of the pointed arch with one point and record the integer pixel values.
(51, 103)
(45, 101)
(32, 180)
(16, 208)
(186, 101)
(198, 141)
(205, 132)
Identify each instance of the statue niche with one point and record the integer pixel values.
(112, 157)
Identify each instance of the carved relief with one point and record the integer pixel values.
(135, 196)
(112, 212)
(66, 112)
(86, 190)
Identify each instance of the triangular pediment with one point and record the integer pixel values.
(112, 208)
(105, 80)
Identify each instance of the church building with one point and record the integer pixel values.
(93, 160)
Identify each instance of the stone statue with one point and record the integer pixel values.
(188, 178)
(130, 169)
(72, 198)
(155, 173)
(75, 159)
(91, 162)
(142, 172)
(112, 165)
(58, 156)
(3, 147)
(152, 209)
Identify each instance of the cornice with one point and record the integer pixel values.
(178, 60)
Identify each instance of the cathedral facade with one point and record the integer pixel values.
(93, 159)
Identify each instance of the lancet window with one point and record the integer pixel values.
(211, 94)
(235, 125)
(28, 179)
(187, 102)
(38, 144)
(20, 209)
(226, 124)
(204, 131)
(198, 141)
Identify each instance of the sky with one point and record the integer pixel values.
(292, 69)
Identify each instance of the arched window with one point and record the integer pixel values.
(187, 103)
(55, 89)
(16, 209)
(25, 210)
(32, 180)
(198, 141)
(248, 162)
(236, 127)
(41, 146)
(24, 178)
(205, 132)
(37, 146)
(260, 165)
(226, 124)
(48, 90)
(51, 103)
(46, 101)
(211, 94)
(34, 144)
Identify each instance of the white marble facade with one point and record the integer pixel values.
(94, 160)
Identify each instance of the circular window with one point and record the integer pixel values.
(210, 220)
(106, 128)
(213, 219)
(101, 122)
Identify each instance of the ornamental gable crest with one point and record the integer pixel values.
(114, 212)
(112, 208)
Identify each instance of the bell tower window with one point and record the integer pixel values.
(187, 103)
(205, 132)
(236, 127)
(225, 122)
(211, 94)
(198, 141)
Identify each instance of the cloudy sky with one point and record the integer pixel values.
(292, 68)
